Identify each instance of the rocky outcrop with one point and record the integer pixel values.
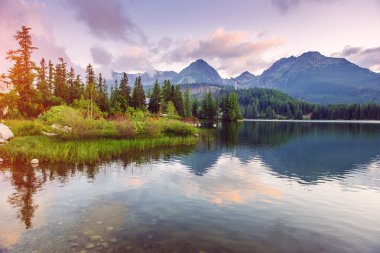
(5, 132)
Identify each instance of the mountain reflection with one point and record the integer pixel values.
(305, 151)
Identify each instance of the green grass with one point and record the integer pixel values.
(46, 149)
(25, 127)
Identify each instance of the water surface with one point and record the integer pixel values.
(246, 187)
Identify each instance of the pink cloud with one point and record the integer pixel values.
(16, 13)
(106, 19)
(229, 51)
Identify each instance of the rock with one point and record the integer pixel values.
(96, 237)
(5, 132)
(109, 229)
(35, 161)
(48, 134)
(113, 240)
(90, 246)
(2, 141)
(1, 160)
(65, 129)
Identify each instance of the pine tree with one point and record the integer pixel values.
(102, 98)
(125, 89)
(61, 88)
(178, 100)
(42, 84)
(155, 98)
(187, 104)
(195, 108)
(71, 86)
(90, 92)
(22, 73)
(166, 91)
(209, 107)
(50, 80)
(138, 95)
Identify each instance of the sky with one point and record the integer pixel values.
(231, 35)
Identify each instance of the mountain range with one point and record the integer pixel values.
(311, 77)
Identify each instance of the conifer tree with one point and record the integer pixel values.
(90, 92)
(50, 80)
(60, 81)
(138, 95)
(22, 73)
(71, 86)
(187, 104)
(209, 107)
(42, 83)
(125, 89)
(178, 100)
(155, 99)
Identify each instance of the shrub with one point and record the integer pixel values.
(62, 115)
(125, 129)
(151, 129)
(83, 105)
(172, 127)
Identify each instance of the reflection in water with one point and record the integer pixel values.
(306, 151)
(246, 187)
(25, 183)
(26, 180)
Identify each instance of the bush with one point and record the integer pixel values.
(71, 124)
(62, 115)
(82, 105)
(125, 129)
(151, 129)
(173, 127)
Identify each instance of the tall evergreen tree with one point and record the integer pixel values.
(42, 83)
(71, 86)
(155, 98)
(90, 92)
(167, 91)
(60, 81)
(178, 100)
(125, 89)
(209, 107)
(22, 73)
(50, 80)
(138, 95)
(187, 103)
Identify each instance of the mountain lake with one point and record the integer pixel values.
(245, 187)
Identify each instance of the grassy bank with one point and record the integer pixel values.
(63, 134)
(48, 149)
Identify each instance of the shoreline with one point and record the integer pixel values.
(315, 121)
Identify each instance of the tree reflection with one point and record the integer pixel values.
(26, 183)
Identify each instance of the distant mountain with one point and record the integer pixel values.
(311, 77)
(147, 79)
(198, 72)
(246, 79)
(317, 78)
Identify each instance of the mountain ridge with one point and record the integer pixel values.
(311, 77)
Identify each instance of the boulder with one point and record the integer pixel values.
(5, 132)
(34, 161)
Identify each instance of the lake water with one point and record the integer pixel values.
(246, 187)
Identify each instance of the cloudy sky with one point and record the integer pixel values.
(232, 35)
